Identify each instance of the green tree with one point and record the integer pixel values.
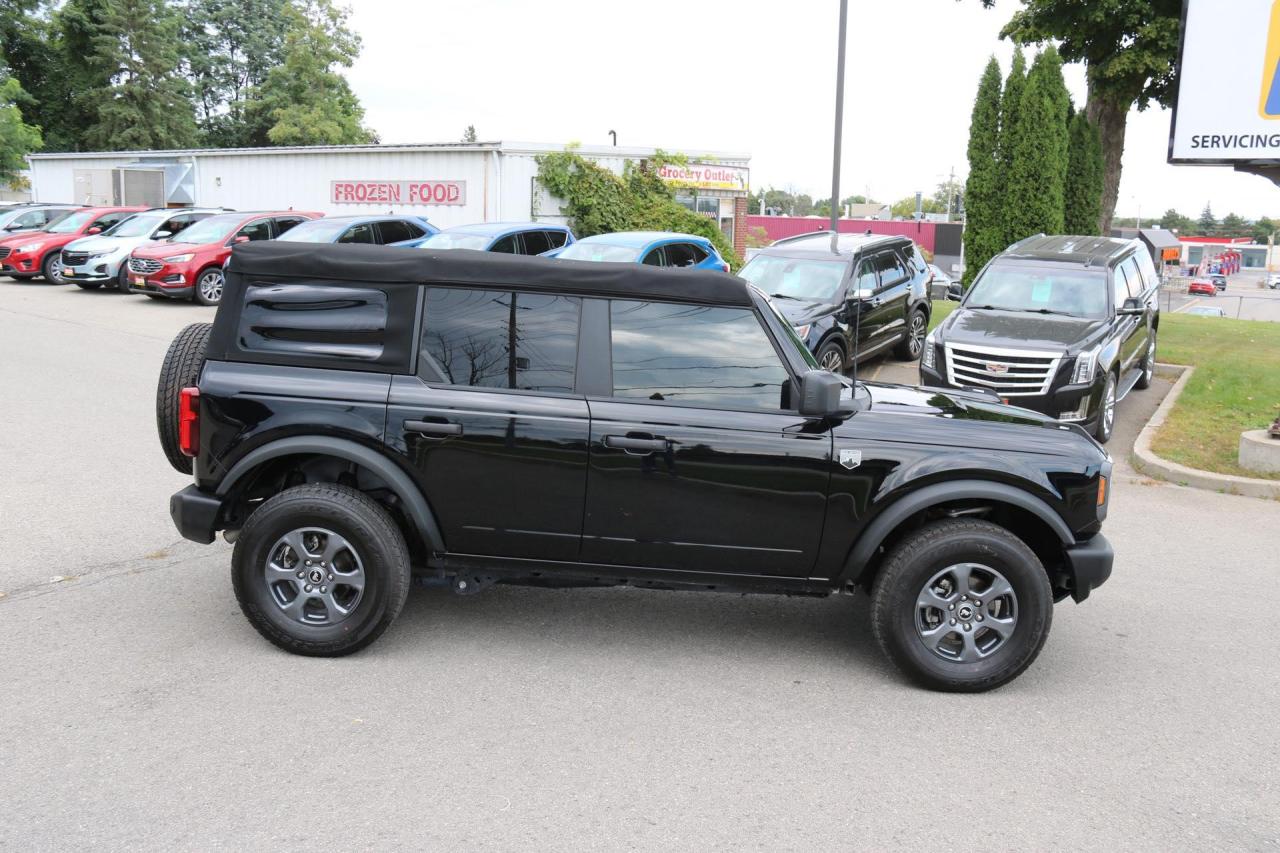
(905, 208)
(1010, 103)
(1034, 195)
(1129, 48)
(1082, 212)
(984, 231)
(469, 135)
(17, 138)
(1207, 225)
(1234, 226)
(232, 45)
(1262, 230)
(305, 100)
(1175, 221)
(144, 103)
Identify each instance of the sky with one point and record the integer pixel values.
(738, 76)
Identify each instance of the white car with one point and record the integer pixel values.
(1273, 281)
(91, 262)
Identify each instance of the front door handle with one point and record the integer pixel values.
(640, 446)
(433, 428)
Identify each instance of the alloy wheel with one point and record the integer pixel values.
(1149, 369)
(1109, 405)
(832, 361)
(210, 286)
(314, 576)
(915, 341)
(966, 612)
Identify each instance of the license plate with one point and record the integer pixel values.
(139, 281)
(68, 272)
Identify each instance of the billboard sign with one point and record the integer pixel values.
(1228, 103)
(706, 176)
(398, 192)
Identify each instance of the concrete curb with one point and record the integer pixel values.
(1146, 461)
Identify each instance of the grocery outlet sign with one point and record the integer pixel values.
(705, 176)
(1228, 104)
(398, 192)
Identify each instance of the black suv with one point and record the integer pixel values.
(869, 295)
(1062, 325)
(359, 415)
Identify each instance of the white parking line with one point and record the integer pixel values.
(1182, 308)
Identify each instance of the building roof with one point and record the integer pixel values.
(388, 265)
(1067, 248)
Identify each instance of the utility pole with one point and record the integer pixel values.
(835, 157)
(951, 192)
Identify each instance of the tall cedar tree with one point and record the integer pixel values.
(1010, 103)
(983, 208)
(1207, 224)
(1037, 179)
(306, 101)
(1083, 210)
(1129, 48)
(145, 103)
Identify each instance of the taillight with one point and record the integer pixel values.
(189, 421)
(724, 267)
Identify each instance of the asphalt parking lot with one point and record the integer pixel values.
(139, 710)
(1243, 299)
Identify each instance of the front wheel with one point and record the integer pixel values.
(1148, 363)
(51, 268)
(1106, 411)
(122, 277)
(831, 357)
(913, 343)
(209, 287)
(962, 606)
(320, 570)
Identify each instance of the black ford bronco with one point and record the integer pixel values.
(356, 417)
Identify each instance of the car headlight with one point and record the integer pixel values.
(803, 331)
(95, 255)
(1086, 366)
(928, 355)
(178, 259)
(28, 247)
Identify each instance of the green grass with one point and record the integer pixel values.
(1236, 387)
(941, 310)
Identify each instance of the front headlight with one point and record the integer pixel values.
(95, 255)
(28, 247)
(1086, 365)
(802, 332)
(178, 259)
(928, 356)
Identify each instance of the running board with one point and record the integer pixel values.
(1130, 380)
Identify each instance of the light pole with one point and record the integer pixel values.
(835, 157)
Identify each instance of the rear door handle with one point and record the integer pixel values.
(636, 445)
(433, 428)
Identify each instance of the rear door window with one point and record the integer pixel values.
(258, 229)
(507, 245)
(362, 233)
(536, 242)
(556, 238)
(500, 339)
(394, 231)
(694, 355)
(891, 268)
(284, 223)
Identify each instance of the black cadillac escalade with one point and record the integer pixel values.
(357, 417)
(1062, 325)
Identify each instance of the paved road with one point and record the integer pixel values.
(138, 709)
(1242, 299)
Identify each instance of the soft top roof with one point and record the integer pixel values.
(366, 264)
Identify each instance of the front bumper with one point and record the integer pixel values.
(1089, 564)
(16, 264)
(1067, 398)
(94, 270)
(195, 513)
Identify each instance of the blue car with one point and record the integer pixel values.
(512, 238)
(380, 230)
(655, 248)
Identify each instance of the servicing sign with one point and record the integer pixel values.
(398, 192)
(1228, 104)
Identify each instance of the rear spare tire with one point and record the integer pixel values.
(180, 369)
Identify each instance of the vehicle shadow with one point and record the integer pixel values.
(656, 623)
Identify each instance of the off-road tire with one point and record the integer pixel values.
(910, 565)
(362, 522)
(180, 369)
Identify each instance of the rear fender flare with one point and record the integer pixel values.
(411, 497)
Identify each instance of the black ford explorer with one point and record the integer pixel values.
(1063, 325)
(359, 417)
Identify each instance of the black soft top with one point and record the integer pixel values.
(389, 265)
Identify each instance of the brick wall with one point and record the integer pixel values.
(740, 225)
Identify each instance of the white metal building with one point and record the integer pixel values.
(449, 183)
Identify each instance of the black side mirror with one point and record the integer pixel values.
(1132, 305)
(820, 394)
(955, 293)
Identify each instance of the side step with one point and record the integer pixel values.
(1126, 384)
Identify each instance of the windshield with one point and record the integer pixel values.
(795, 278)
(215, 229)
(70, 224)
(315, 231)
(1048, 289)
(586, 250)
(138, 226)
(445, 240)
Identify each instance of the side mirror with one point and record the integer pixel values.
(955, 293)
(820, 394)
(1132, 305)
(160, 235)
(240, 239)
(94, 230)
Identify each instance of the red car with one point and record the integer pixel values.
(190, 267)
(31, 253)
(1202, 286)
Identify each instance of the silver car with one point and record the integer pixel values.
(91, 262)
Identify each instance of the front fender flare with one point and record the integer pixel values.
(938, 493)
(411, 497)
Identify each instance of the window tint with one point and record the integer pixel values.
(684, 254)
(415, 230)
(891, 268)
(362, 233)
(30, 219)
(507, 245)
(556, 238)
(177, 224)
(1147, 268)
(394, 230)
(468, 334)
(284, 223)
(259, 229)
(1121, 278)
(657, 257)
(536, 242)
(694, 355)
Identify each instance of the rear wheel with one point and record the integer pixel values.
(1106, 411)
(913, 343)
(209, 287)
(962, 606)
(831, 357)
(180, 369)
(1148, 363)
(320, 570)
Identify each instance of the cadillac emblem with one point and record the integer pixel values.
(997, 368)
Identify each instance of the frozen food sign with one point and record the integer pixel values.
(705, 176)
(398, 192)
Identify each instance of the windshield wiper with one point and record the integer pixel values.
(1048, 311)
(784, 296)
(983, 308)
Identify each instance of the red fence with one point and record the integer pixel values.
(777, 227)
